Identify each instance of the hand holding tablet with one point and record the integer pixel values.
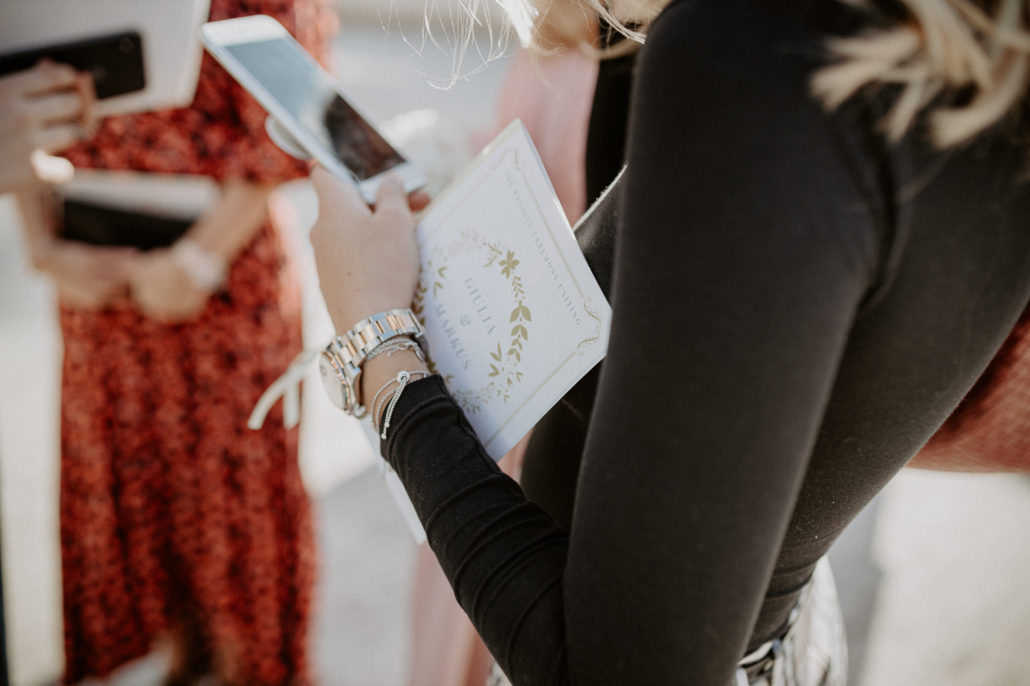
(43, 109)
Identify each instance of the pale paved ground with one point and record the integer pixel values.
(954, 605)
(952, 609)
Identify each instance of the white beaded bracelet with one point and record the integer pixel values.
(206, 269)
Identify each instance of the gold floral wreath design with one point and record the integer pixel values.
(504, 370)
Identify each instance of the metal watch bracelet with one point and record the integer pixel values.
(341, 362)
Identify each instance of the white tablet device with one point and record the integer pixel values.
(305, 101)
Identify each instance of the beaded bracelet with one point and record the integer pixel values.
(205, 268)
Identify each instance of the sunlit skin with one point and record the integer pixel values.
(367, 261)
(42, 110)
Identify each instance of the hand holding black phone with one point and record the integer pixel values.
(114, 61)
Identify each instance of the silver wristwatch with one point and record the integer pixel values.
(341, 361)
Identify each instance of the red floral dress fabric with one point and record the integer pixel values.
(172, 511)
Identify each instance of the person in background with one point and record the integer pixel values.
(42, 110)
(817, 245)
(179, 525)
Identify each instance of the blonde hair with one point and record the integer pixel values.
(943, 48)
(574, 22)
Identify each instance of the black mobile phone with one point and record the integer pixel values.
(115, 61)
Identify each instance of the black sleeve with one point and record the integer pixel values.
(737, 275)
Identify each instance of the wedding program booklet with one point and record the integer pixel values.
(512, 313)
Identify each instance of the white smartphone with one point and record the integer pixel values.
(305, 101)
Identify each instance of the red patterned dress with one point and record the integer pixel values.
(172, 511)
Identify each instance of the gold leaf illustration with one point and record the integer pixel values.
(502, 368)
(509, 263)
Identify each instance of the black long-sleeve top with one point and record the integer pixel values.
(797, 305)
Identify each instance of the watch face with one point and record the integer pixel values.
(332, 381)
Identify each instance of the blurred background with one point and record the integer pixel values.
(932, 577)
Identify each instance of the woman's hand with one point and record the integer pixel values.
(367, 259)
(88, 277)
(43, 109)
(163, 289)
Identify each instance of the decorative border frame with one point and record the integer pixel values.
(586, 302)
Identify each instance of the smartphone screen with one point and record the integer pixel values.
(308, 94)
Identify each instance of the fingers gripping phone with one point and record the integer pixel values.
(114, 61)
(304, 101)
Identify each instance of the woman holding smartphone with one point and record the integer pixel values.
(819, 242)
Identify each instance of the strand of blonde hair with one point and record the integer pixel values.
(946, 46)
